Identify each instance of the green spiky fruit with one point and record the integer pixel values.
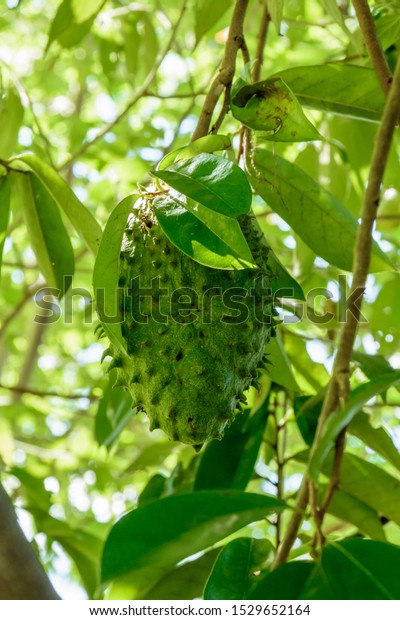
(195, 336)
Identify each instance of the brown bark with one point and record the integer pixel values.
(21, 575)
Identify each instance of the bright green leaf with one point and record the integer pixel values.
(376, 438)
(11, 115)
(106, 272)
(315, 215)
(275, 9)
(207, 14)
(4, 212)
(82, 220)
(348, 508)
(211, 180)
(232, 574)
(206, 144)
(73, 21)
(341, 88)
(50, 241)
(190, 235)
(141, 540)
(339, 420)
(271, 107)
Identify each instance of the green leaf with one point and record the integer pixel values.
(348, 508)
(73, 21)
(211, 180)
(35, 491)
(106, 272)
(341, 88)
(4, 212)
(376, 438)
(339, 420)
(142, 541)
(356, 569)
(229, 463)
(82, 220)
(206, 144)
(50, 241)
(306, 411)
(280, 368)
(185, 582)
(207, 14)
(153, 490)
(113, 413)
(232, 574)
(275, 9)
(367, 482)
(323, 223)
(285, 583)
(11, 115)
(190, 235)
(283, 284)
(271, 107)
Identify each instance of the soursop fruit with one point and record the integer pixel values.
(194, 335)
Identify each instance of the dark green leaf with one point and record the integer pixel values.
(315, 215)
(11, 115)
(367, 482)
(283, 284)
(339, 420)
(82, 220)
(280, 368)
(229, 463)
(356, 569)
(153, 490)
(232, 574)
(271, 107)
(185, 582)
(4, 212)
(306, 411)
(207, 14)
(211, 180)
(142, 541)
(285, 583)
(73, 21)
(341, 88)
(106, 272)
(50, 241)
(190, 235)
(348, 508)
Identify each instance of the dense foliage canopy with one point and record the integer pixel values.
(92, 96)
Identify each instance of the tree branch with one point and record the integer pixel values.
(21, 575)
(371, 39)
(338, 387)
(261, 39)
(226, 70)
(22, 389)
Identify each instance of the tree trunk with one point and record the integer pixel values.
(21, 575)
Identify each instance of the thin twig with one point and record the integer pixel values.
(261, 40)
(378, 59)
(18, 389)
(138, 94)
(226, 70)
(338, 387)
